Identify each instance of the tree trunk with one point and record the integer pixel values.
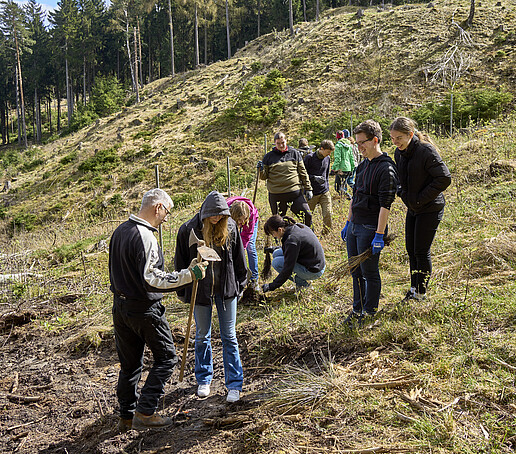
(24, 130)
(196, 38)
(206, 43)
(58, 110)
(171, 39)
(3, 124)
(304, 10)
(18, 118)
(227, 29)
(136, 77)
(129, 53)
(259, 16)
(150, 60)
(140, 51)
(469, 22)
(49, 116)
(290, 17)
(37, 116)
(317, 11)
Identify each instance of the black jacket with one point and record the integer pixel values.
(376, 182)
(299, 245)
(136, 264)
(318, 169)
(233, 269)
(423, 177)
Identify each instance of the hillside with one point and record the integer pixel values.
(435, 376)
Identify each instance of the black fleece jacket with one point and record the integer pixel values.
(423, 177)
(300, 245)
(376, 182)
(226, 278)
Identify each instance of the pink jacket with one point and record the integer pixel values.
(247, 230)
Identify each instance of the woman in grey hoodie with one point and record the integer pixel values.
(224, 283)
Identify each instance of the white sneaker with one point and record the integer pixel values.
(233, 395)
(203, 390)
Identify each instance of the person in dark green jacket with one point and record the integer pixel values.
(343, 163)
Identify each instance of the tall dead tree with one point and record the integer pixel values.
(469, 20)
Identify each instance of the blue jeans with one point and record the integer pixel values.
(233, 372)
(301, 274)
(252, 255)
(366, 278)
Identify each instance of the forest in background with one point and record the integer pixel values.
(85, 49)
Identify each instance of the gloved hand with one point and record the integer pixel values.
(259, 165)
(377, 244)
(265, 288)
(344, 231)
(270, 249)
(308, 195)
(198, 269)
(332, 172)
(319, 179)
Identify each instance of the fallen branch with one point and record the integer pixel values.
(25, 424)
(405, 417)
(377, 450)
(23, 399)
(388, 384)
(504, 364)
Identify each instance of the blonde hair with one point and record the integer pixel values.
(215, 234)
(239, 209)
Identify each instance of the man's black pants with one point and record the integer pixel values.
(279, 205)
(137, 324)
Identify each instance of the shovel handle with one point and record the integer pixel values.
(188, 326)
(256, 185)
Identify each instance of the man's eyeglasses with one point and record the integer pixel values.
(166, 209)
(362, 142)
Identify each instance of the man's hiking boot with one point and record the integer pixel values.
(367, 318)
(413, 295)
(154, 421)
(124, 425)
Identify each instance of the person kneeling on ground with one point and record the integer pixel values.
(137, 281)
(301, 256)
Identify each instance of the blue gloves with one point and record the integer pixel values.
(344, 231)
(377, 244)
(265, 288)
(259, 165)
(308, 195)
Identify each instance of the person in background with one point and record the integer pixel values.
(224, 283)
(137, 276)
(303, 147)
(343, 163)
(366, 224)
(245, 214)
(318, 167)
(300, 257)
(286, 177)
(423, 178)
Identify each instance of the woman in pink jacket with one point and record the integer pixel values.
(245, 214)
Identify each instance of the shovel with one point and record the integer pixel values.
(205, 254)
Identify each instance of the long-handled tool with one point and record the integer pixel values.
(205, 254)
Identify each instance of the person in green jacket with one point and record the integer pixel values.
(343, 163)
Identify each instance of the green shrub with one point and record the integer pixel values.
(136, 177)
(260, 102)
(107, 95)
(68, 158)
(297, 61)
(11, 158)
(31, 165)
(476, 105)
(103, 161)
(26, 221)
(83, 116)
(116, 200)
(256, 66)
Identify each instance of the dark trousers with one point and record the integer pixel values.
(136, 327)
(279, 204)
(420, 230)
(367, 283)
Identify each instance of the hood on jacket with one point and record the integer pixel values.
(214, 205)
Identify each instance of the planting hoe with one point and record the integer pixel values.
(205, 254)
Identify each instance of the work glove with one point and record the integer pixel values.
(344, 231)
(377, 244)
(198, 269)
(332, 172)
(270, 249)
(308, 195)
(265, 288)
(259, 165)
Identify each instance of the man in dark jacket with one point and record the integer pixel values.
(137, 276)
(374, 191)
(286, 177)
(318, 167)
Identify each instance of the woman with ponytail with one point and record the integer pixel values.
(300, 257)
(423, 178)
